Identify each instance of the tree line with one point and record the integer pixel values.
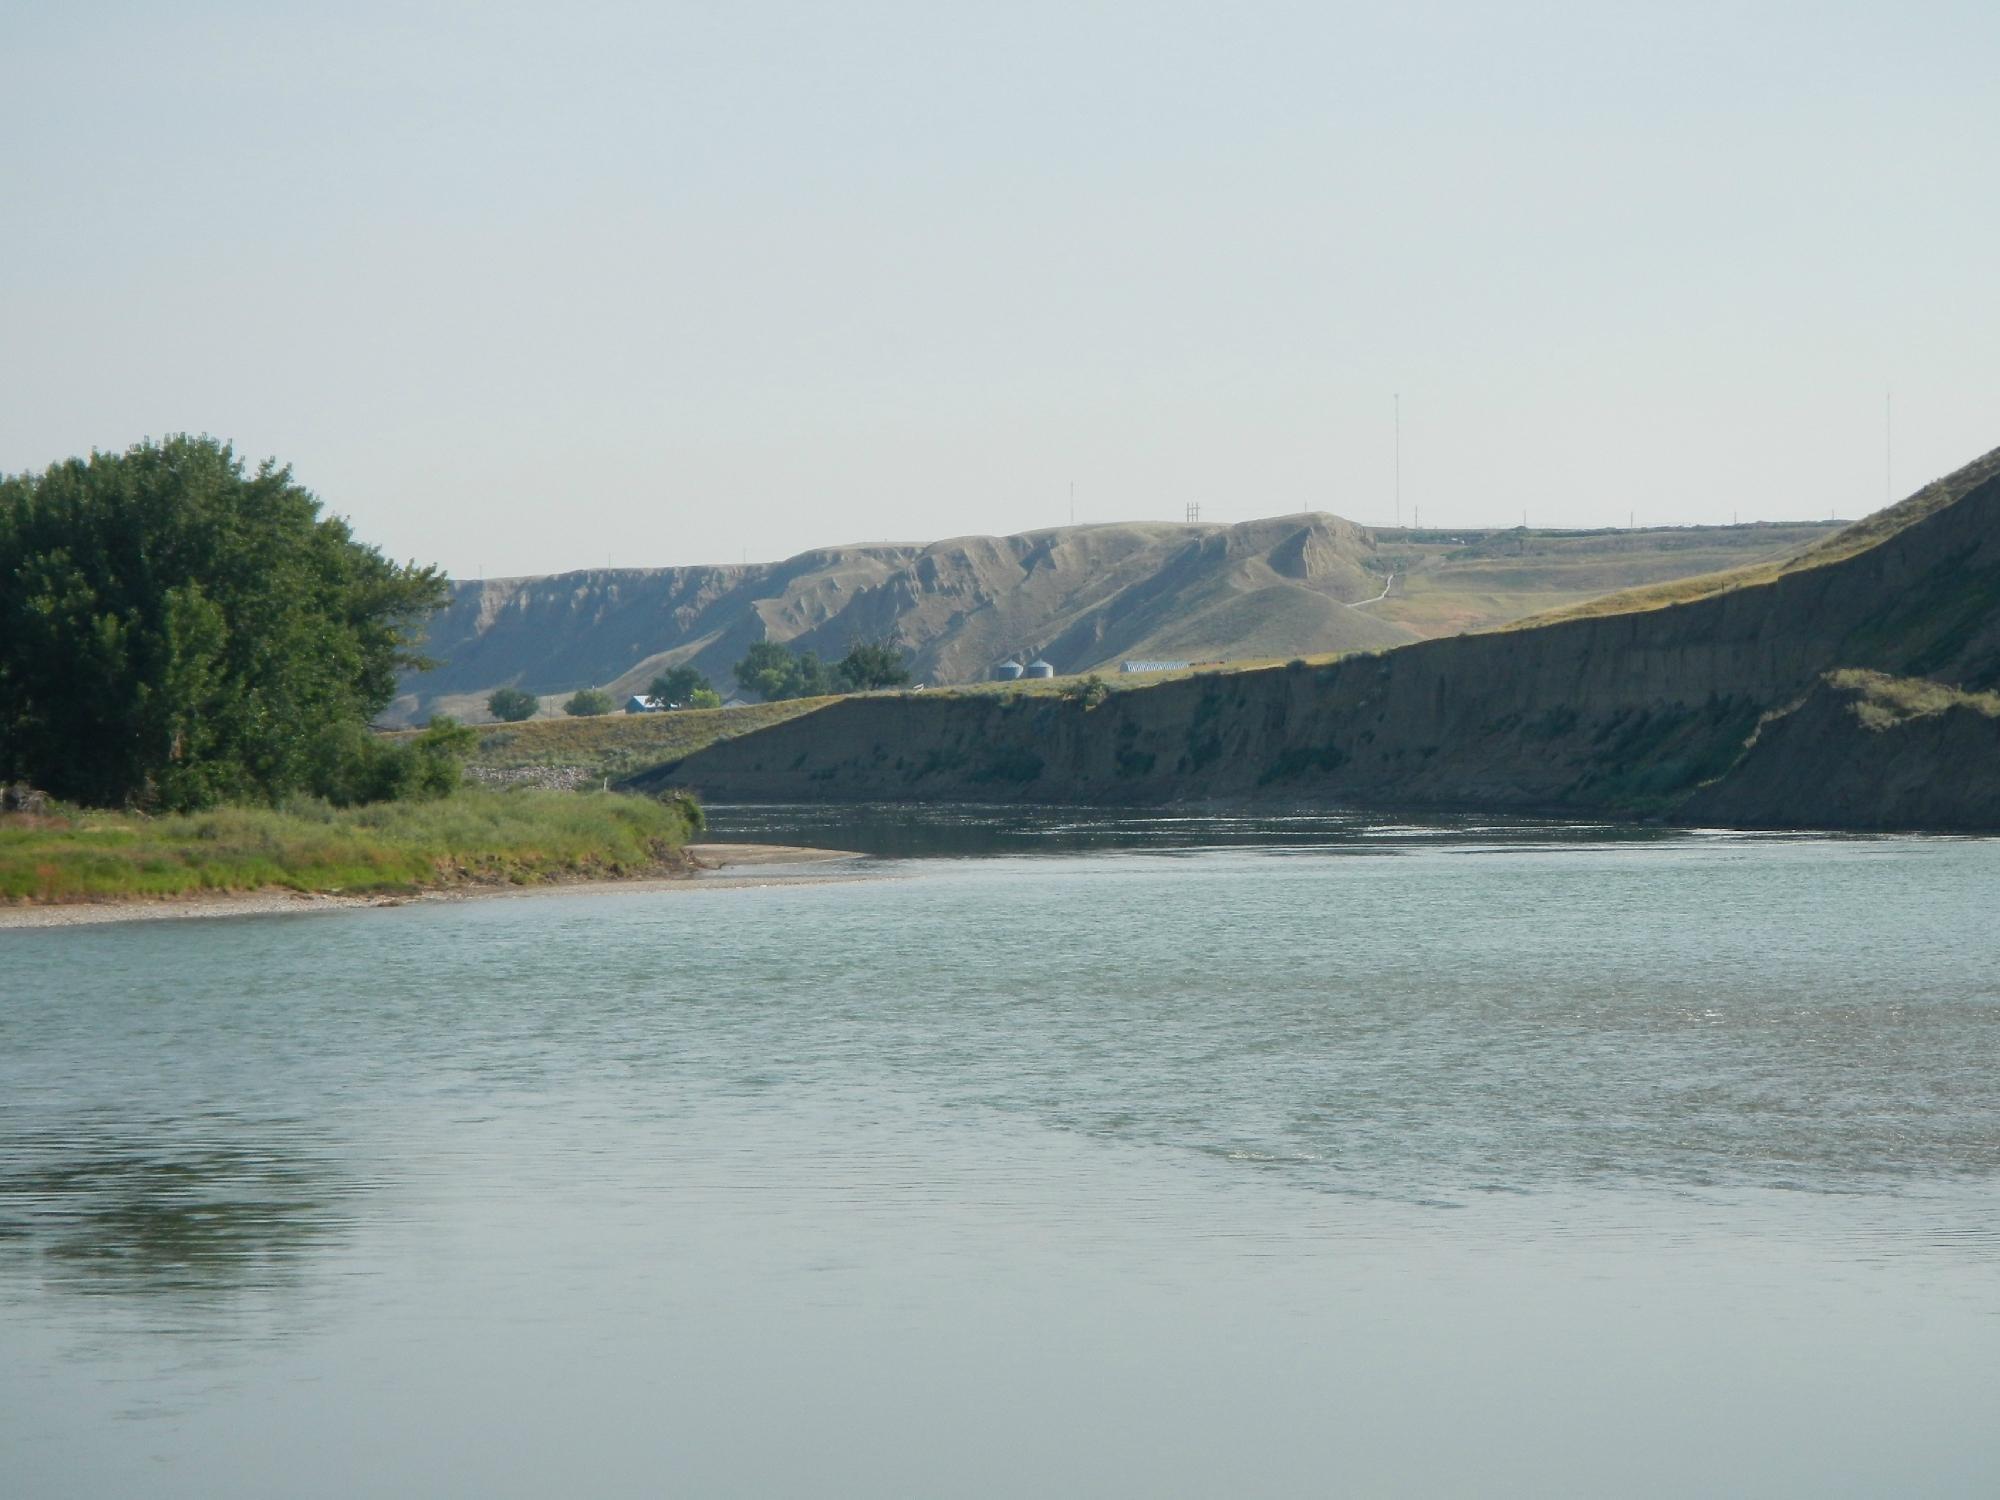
(770, 669)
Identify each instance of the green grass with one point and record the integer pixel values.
(1882, 702)
(476, 837)
(617, 745)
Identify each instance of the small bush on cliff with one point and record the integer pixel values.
(1089, 691)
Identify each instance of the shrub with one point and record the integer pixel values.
(352, 767)
(588, 703)
(511, 705)
(1089, 691)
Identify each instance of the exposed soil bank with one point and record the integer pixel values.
(1850, 756)
(1618, 715)
(709, 867)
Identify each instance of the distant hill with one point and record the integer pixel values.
(1853, 685)
(1085, 597)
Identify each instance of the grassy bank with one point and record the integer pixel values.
(1882, 701)
(476, 837)
(615, 745)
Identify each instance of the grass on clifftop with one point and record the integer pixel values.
(616, 745)
(475, 837)
(1882, 702)
(1850, 541)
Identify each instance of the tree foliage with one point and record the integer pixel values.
(871, 665)
(512, 705)
(772, 670)
(356, 766)
(1089, 691)
(588, 703)
(678, 686)
(704, 697)
(176, 629)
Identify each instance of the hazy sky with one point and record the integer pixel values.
(520, 288)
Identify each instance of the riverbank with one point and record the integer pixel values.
(473, 838)
(705, 867)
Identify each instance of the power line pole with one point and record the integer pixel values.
(1888, 445)
(1399, 458)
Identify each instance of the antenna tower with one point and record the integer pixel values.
(1194, 510)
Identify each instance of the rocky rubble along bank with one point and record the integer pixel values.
(544, 778)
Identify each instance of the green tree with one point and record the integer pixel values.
(512, 705)
(176, 629)
(354, 766)
(588, 703)
(870, 665)
(772, 671)
(678, 686)
(704, 697)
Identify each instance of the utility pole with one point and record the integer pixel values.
(1399, 458)
(1888, 445)
(1072, 502)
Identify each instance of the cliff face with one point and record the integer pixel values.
(1863, 751)
(1083, 596)
(1613, 713)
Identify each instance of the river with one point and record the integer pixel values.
(1061, 1154)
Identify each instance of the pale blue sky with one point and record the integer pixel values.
(520, 288)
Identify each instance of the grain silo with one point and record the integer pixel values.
(1038, 668)
(1007, 671)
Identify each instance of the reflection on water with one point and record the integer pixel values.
(105, 1213)
(1163, 1156)
(974, 830)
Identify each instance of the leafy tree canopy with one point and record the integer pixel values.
(678, 686)
(871, 665)
(588, 703)
(176, 629)
(704, 697)
(771, 671)
(512, 705)
(355, 766)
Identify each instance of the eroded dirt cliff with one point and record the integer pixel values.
(1623, 713)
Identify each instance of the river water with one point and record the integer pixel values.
(1064, 1156)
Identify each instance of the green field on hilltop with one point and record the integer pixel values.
(475, 837)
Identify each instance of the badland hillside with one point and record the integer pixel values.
(1849, 686)
(1085, 597)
